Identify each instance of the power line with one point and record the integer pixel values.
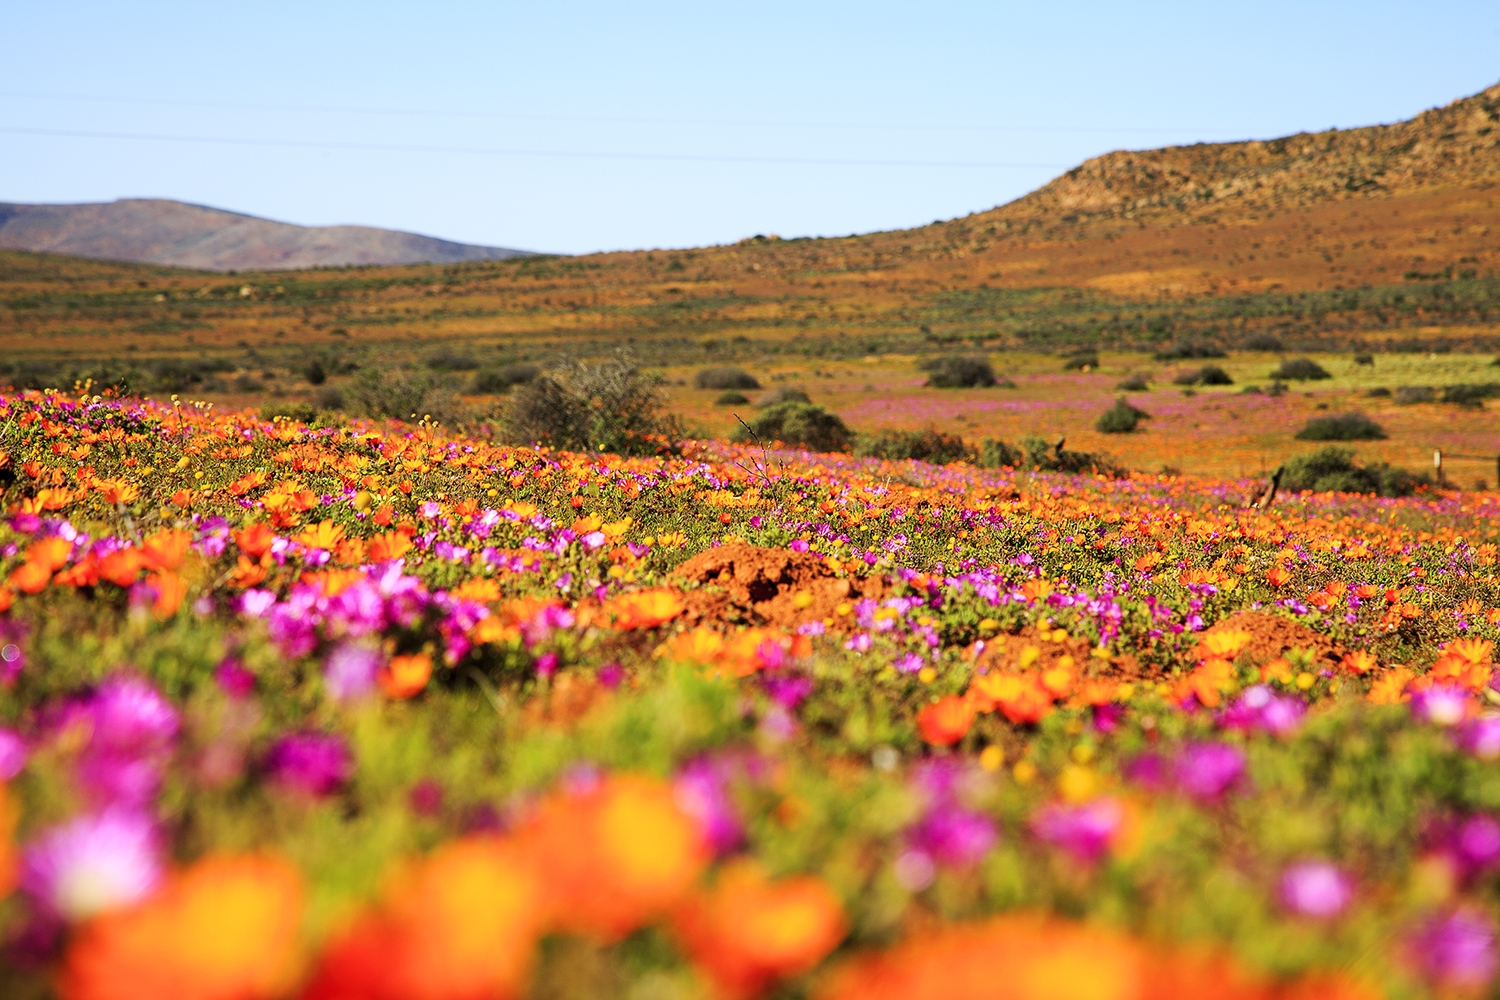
(604, 119)
(499, 151)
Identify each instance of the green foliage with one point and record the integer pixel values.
(1409, 395)
(1267, 342)
(731, 399)
(959, 372)
(1122, 418)
(1471, 395)
(1332, 469)
(1207, 375)
(1134, 383)
(785, 394)
(1342, 427)
(405, 394)
(497, 381)
(1300, 370)
(1080, 360)
(928, 445)
(1186, 349)
(610, 406)
(805, 425)
(315, 373)
(996, 454)
(725, 378)
(452, 361)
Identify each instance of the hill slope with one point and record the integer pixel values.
(158, 231)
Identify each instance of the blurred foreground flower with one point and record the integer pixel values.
(1315, 889)
(225, 929)
(313, 764)
(93, 864)
(1457, 950)
(748, 931)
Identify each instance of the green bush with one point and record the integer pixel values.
(1190, 349)
(786, 394)
(1408, 395)
(1040, 455)
(959, 372)
(1301, 370)
(498, 381)
(725, 378)
(731, 399)
(300, 412)
(611, 406)
(315, 373)
(448, 361)
(403, 393)
(1134, 383)
(1471, 395)
(329, 397)
(1267, 342)
(805, 425)
(995, 454)
(1332, 469)
(1079, 360)
(1207, 375)
(925, 446)
(1121, 418)
(1342, 427)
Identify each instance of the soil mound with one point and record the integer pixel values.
(764, 586)
(1272, 636)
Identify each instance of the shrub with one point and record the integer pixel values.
(925, 446)
(1379, 392)
(786, 394)
(448, 361)
(393, 392)
(300, 412)
(1342, 427)
(1267, 342)
(1301, 369)
(1134, 383)
(1207, 375)
(1364, 359)
(994, 454)
(725, 378)
(959, 372)
(1407, 395)
(1332, 469)
(329, 397)
(1471, 395)
(1042, 456)
(731, 399)
(315, 373)
(1081, 359)
(1120, 418)
(803, 424)
(1188, 349)
(245, 382)
(1278, 388)
(611, 406)
(497, 381)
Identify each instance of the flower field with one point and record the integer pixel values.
(374, 712)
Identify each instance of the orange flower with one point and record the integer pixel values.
(1391, 688)
(30, 577)
(616, 856)
(170, 590)
(50, 554)
(391, 545)
(323, 535)
(225, 929)
(405, 676)
(461, 924)
(1223, 643)
(945, 721)
(255, 541)
(1277, 576)
(1021, 698)
(118, 491)
(1475, 651)
(121, 566)
(10, 814)
(1207, 682)
(247, 573)
(749, 932)
(1359, 662)
(647, 609)
(165, 549)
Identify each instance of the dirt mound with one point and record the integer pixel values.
(1272, 636)
(757, 585)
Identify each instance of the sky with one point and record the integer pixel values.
(577, 127)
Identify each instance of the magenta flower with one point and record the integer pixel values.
(1084, 831)
(1456, 950)
(92, 864)
(954, 835)
(312, 764)
(1441, 705)
(1205, 771)
(233, 679)
(702, 791)
(1480, 736)
(13, 754)
(1259, 709)
(349, 672)
(1315, 889)
(132, 730)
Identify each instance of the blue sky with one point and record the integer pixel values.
(683, 124)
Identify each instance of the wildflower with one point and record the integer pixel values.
(13, 754)
(701, 790)
(1359, 662)
(131, 730)
(233, 679)
(1223, 643)
(617, 854)
(312, 764)
(1205, 771)
(225, 929)
(458, 925)
(647, 609)
(350, 672)
(1440, 704)
(747, 932)
(1480, 736)
(945, 721)
(405, 676)
(1085, 830)
(1315, 889)
(93, 863)
(1021, 698)
(1390, 689)
(1260, 708)
(1457, 950)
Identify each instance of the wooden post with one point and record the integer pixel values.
(1437, 463)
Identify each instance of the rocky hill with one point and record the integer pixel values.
(158, 231)
(1456, 144)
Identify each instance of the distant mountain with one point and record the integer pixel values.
(158, 231)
